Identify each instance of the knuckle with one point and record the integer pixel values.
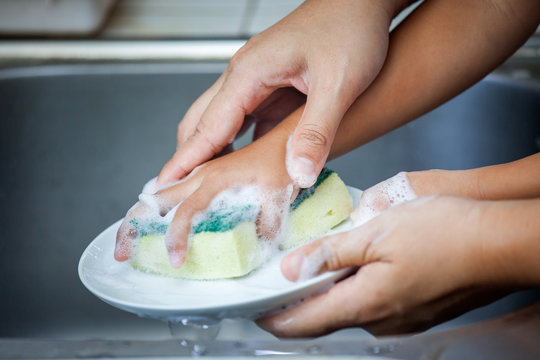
(332, 255)
(314, 135)
(212, 145)
(236, 59)
(186, 210)
(183, 132)
(240, 56)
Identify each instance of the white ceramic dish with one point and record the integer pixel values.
(147, 295)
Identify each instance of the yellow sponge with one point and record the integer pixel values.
(211, 255)
(226, 245)
(329, 205)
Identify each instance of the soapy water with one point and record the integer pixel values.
(236, 204)
(194, 332)
(144, 294)
(268, 208)
(386, 194)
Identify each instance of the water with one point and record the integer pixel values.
(194, 332)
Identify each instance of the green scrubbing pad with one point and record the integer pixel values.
(225, 244)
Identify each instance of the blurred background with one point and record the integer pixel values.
(143, 19)
(91, 93)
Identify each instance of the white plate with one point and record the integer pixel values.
(147, 295)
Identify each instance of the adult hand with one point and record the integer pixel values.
(417, 260)
(330, 51)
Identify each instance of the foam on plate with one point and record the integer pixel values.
(382, 196)
(240, 229)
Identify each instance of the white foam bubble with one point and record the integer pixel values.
(382, 196)
(267, 207)
(313, 263)
(151, 201)
(227, 204)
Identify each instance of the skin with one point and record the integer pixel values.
(300, 51)
(453, 250)
(514, 180)
(253, 164)
(492, 244)
(498, 182)
(418, 62)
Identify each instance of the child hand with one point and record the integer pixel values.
(260, 164)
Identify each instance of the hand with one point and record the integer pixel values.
(406, 186)
(417, 262)
(382, 196)
(260, 164)
(330, 51)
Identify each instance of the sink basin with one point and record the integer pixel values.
(79, 141)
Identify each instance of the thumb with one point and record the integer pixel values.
(330, 253)
(310, 144)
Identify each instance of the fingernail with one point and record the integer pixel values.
(302, 171)
(176, 259)
(125, 237)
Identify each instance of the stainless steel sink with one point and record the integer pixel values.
(77, 142)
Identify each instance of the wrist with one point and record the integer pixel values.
(509, 243)
(446, 182)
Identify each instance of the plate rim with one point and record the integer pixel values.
(325, 278)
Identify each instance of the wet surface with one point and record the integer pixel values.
(78, 143)
(512, 336)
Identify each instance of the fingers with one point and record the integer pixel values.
(176, 238)
(187, 126)
(218, 125)
(275, 108)
(382, 196)
(274, 209)
(127, 232)
(347, 303)
(124, 241)
(333, 252)
(151, 207)
(431, 313)
(315, 316)
(311, 141)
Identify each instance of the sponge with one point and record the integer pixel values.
(211, 255)
(225, 244)
(317, 209)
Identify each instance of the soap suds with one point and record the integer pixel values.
(314, 262)
(382, 196)
(247, 203)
